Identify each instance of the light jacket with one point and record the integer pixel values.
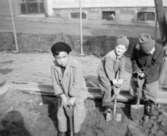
(72, 82)
(110, 65)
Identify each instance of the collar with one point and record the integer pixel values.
(156, 52)
(152, 51)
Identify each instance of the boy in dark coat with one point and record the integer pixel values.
(147, 60)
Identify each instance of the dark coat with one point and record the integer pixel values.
(150, 64)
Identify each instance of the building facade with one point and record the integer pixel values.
(99, 17)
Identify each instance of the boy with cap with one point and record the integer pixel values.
(112, 68)
(69, 85)
(147, 60)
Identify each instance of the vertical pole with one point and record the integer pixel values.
(13, 25)
(156, 28)
(81, 27)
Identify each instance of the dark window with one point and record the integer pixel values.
(76, 15)
(146, 16)
(32, 6)
(108, 15)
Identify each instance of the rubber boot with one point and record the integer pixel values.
(149, 108)
(61, 134)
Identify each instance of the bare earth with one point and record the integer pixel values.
(35, 67)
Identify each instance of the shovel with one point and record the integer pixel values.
(70, 113)
(116, 91)
(137, 110)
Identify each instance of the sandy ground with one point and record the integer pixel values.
(35, 67)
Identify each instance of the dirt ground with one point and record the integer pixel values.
(24, 114)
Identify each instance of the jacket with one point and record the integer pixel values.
(150, 64)
(72, 82)
(110, 65)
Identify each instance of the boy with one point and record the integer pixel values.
(112, 68)
(69, 85)
(147, 60)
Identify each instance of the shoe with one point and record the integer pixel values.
(77, 134)
(61, 134)
(149, 108)
(108, 114)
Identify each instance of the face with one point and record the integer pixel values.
(62, 58)
(120, 50)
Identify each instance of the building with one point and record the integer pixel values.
(99, 17)
(93, 11)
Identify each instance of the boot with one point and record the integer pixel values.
(61, 134)
(149, 108)
(77, 134)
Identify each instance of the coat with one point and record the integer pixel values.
(110, 65)
(72, 82)
(150, 64)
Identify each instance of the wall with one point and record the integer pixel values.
(38, 32)
(5, 20)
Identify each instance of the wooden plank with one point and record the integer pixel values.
(36, 88)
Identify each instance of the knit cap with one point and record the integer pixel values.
(146, 42)
(123, 40)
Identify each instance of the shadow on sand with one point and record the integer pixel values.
(12, 124)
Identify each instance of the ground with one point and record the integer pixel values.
(25, 114)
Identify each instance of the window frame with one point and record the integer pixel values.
(29, 11)
(145, 16)
(83, 12)
(111, 12)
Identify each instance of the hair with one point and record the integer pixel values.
(59, 47)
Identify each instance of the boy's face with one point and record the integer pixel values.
(62, 58)
(120, 50)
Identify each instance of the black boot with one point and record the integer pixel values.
(77, 134)
(61, 134)
(149, 107)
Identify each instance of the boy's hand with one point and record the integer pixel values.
(64, 99)
(141, 75)
(117, 83)
(114, 81)
(72, 101)
(120, 81)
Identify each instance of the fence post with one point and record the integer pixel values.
(13, 25)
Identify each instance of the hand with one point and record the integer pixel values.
(141, 74)
(117, 83)
(72, 101)
(64, 99)
(117, 91)
(120, 81)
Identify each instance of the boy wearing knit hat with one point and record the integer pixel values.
(147, 60)
(111, 69)
(69, 86)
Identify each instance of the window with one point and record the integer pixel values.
(76, 15)
(146, 16)
(108, 15)
(32, 6)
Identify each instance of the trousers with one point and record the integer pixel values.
(151, 90)
(79, 117)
